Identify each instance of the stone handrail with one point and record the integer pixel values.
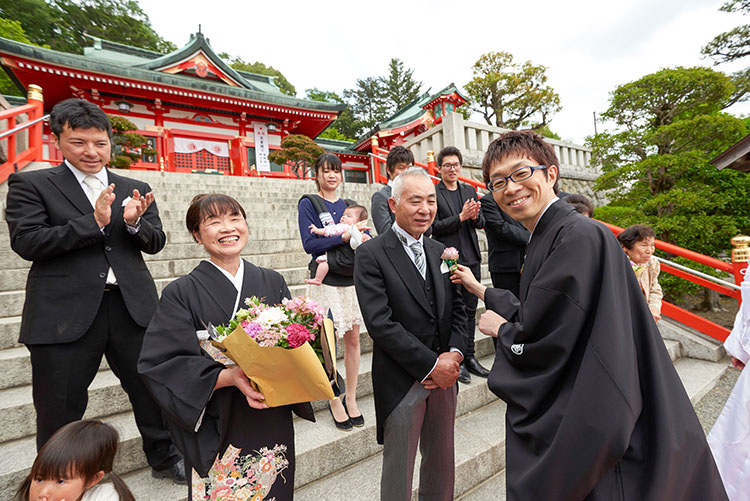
(473, 139)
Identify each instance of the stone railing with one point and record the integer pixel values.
(473, 139)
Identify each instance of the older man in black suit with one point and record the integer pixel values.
(417, 321)
(88, 292)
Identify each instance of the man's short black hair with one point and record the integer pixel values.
(78, 114)
(449, 151)
(396, 156)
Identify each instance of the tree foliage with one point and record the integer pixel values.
(14, 31)
(128, 147)
(62, 23)
(735, 43)
(346, 127)
(511, 95)
(668, 125)
(257, 67)
(299, 151)
(373, 99)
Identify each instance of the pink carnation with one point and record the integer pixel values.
(251, 328)
(297, 335)
(450, 254)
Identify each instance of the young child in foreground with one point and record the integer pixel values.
(72, 464)
(353, 222)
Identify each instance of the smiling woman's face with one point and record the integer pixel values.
(223, 235)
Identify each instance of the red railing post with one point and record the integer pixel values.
(376, 174)
(35, 97)
(431, 164)
(740, 258)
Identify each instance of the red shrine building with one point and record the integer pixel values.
(200, 115)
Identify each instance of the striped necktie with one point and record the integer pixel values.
(416, 248)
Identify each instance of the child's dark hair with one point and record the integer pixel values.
(78, 449)
(361, 211)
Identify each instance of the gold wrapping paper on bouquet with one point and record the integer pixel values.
(284, 376)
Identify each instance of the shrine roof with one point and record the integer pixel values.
(137, 64)
(337, 146)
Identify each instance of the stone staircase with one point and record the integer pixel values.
(330, 464)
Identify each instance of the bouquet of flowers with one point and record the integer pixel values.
(286, 350)
(450, 260)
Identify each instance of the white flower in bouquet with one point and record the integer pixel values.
(271, 316)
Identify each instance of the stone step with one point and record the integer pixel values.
(699, 376)
(479, 439)
(321, 449)
(492, 489)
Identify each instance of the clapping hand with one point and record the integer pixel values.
(103, 206)
(136, 206)
(470, 210)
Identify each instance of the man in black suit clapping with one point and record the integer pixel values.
(88, 292)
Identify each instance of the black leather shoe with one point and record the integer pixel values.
(176, 472)
(463, 375)
(475, 367)
(341, 425)
(356, 420)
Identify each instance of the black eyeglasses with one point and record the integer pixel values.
(516, 176)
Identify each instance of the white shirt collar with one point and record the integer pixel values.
(80, 175)
(390, 182)
(409, 239)
(555, 199)
(236, 279)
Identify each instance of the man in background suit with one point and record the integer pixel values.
(456, 223)
(416, 319)
(88, 292)
(399, 159)
(506, 245)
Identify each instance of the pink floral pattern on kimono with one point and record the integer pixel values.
(237, 477)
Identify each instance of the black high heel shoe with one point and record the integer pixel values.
(357, 421)
(341, 425)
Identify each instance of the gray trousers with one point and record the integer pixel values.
(427, 418)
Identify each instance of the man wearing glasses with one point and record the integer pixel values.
(595, 409)
(456, 223)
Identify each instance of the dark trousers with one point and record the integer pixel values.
(62, 373)
(470, 303)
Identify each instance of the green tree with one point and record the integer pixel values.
(62, 23)
(299, 151)
(373, 99)
(511, 95)
(735, 43)
(13, 31)
(346, 127)
(127, 147)
(367, 103)
(668, 125)
(257, 67)
(398, 87)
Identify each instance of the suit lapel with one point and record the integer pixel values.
(405, 269)
(66, 182)
(433, 254)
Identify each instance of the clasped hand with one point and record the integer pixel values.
(445, 372)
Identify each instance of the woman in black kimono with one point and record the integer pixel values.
(232, 442)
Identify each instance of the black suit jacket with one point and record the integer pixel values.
(447, 220)
(380, 212)
(400, 319)
(506, 238)
(51, 223)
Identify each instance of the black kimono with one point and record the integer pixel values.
(231, 447)
(595, 408)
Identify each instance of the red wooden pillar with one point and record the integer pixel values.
(432, 165)
(740, 258)
(35, 98)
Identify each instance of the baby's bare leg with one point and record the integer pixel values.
(320, 274)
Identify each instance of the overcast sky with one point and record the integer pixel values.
(589, 46)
